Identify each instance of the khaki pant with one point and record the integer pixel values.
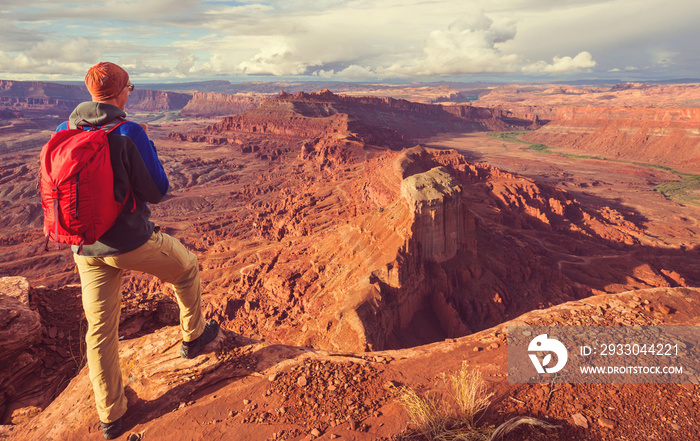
(100, 277)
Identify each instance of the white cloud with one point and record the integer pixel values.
(128, 11)
(626, 69)
(352, 39)
(663, 57)
(324, 73)
(66, 57)
(276, 57)
(79, 50)
(469, 45)
(350, 73)
(186, 63)
(582, 61)
(356, 72)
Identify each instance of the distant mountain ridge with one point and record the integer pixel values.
(429, 93)
(35, 97)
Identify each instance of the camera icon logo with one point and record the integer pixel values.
(543, 344)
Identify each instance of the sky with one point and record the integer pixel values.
(352, 40)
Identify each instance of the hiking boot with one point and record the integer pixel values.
(111, 430)
(190, 349)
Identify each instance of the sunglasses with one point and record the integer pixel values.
(130, 87)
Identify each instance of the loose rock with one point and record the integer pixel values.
(580, 420)
(606, 423)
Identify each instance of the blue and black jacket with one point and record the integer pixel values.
(136, 166)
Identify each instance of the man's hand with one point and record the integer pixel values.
(145, 127)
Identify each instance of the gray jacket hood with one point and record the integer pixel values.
(95, 113)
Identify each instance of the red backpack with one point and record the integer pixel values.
(77, 187)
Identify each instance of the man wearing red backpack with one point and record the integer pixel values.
(133, 243)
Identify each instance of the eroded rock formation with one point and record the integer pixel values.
(261, 390)
(154, 100)
(545, 99)
(441, 223)
(218, 104)
(385, 122)
(20, 329)
(316, 233)
(668, 137)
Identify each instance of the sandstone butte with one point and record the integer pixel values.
(344, 258)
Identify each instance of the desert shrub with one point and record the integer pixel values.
(454, 416)
(685, 191)
(515, 137)
(508, 136)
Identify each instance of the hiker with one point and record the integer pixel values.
(133, 243)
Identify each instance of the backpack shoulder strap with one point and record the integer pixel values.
(107, 127)
(117, 125)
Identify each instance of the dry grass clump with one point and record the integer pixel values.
(454, 417)
(468, 389)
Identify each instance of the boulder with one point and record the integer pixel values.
(20, 327)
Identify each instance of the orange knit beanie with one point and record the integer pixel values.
(105, 81)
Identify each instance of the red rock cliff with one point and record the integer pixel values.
(156, 100)
(379, 121)
(219, 104)
(669, 137)
(442, 225)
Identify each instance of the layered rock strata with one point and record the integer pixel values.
(441, 222)
(144, 100)
(20, 329)
(545, 99)
(378, 121)
(19, 325)
(314, 240)
(668, 137)
(218, 104)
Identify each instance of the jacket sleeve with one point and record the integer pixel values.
(149, 155)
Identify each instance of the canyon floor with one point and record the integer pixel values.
(322, 243)
(599, 182)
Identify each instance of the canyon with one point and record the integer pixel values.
(375, 239)
(668, 137)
